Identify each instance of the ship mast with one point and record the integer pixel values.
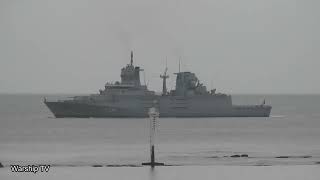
(164, 78)
(131, 62)
(179, 63)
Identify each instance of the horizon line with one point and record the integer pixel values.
(83, 93)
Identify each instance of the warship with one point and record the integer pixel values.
(129, 98)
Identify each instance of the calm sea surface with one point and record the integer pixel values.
(29, 134)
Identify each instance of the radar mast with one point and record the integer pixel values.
(164, 78)
(131, 62)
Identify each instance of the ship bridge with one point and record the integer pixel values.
(130, 75)
(130, 82)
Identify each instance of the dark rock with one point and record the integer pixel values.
(306, 156)
(97, 165)
(263, 165)
(235, 156)
(317, 162)
(244, 155)
(282, 157)
(294, 156)
(1, 166)
(132, 165)
(123, 165)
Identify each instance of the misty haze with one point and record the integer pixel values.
(265, 46)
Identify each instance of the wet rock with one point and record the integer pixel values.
(244, 155)
(263, 165)
(282, 157)
(235, 156)
(132, 165)
(1, 166)
(123, 165)
(306, 156)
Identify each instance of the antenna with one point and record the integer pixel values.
(164, 80)
(131, 62)
(144, 78)
(179, 63)
(166, 62)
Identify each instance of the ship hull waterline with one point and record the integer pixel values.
(78, 110)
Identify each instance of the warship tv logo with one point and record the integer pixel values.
(30, 168)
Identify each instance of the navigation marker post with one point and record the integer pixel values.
(153, 116)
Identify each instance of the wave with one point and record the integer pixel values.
(277, 116)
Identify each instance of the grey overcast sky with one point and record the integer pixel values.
(236, 46)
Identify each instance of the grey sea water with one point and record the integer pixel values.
(30, 134)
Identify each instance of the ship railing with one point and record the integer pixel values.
(248, 106)
(57, 98)
(119, 85)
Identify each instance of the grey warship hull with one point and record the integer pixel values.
(167, 108)
(128, 98)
